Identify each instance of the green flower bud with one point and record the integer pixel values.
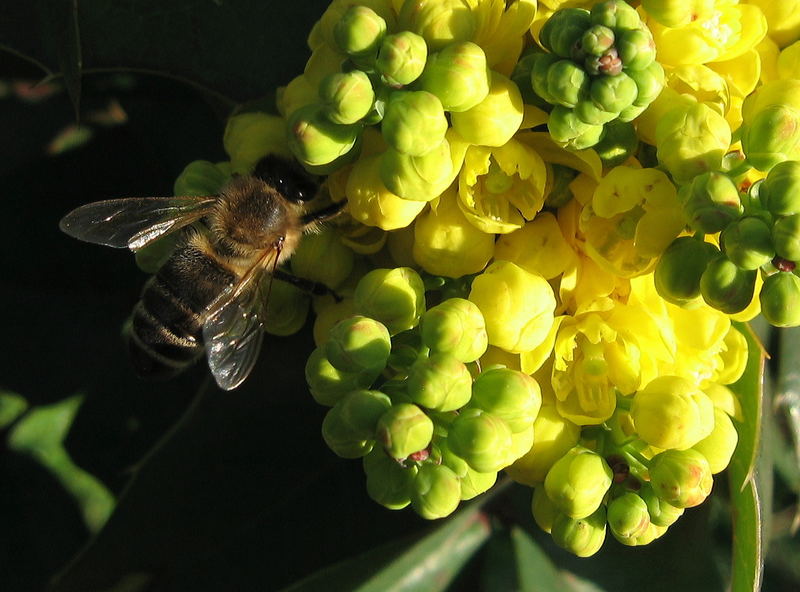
(780, 299)
(473, 483)
(771, 124)
(613, 93)
(563, 30)
(315, 140)
(540, 66)
(439, 382)
(201, 178)
(440, 23)
(287, 309)
(618, 143)
(615, 14)
(630, 113)
(649, 83)
(597, 39)
(711, 202)
(327, 384)
(388, 482)
(636, 49)
(606, 64)
(349, 427)
(678, 272)
(457, 75)
(661, 513)
(435, 492)
(403, 430)
(418, 178)
(347, 96)
(481, 439)
(627, 517)
(719, 445)
(406, 349)
(786, 237)
(543, 509)
(672, 412)
(566, 82)
(494, 120)
(396, 297)
(780, 191)
(681, 477)
(508, 394)
(359, 31)
(565, 125)
(455, 326)
(692, 138)
(676, 13)
(401, 58)
(748, 242)
(554, 436)
(587, 113)
(580, 536)
(578, 482)
(358, 343)
(521, 76)
(414, 122)
(323, 258)
(726, 287)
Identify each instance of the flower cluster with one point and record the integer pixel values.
(556, 215)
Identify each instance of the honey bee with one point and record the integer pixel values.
(210, 295)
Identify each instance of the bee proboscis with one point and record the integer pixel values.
(209, 295)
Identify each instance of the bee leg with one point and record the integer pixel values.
(311, 287)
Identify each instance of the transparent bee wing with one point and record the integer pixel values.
(233, 337)
(233, 331)
(133, 222)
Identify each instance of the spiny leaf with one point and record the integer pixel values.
(748, 558)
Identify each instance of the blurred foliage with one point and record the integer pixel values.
(230, 491)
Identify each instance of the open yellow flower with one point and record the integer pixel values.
(634, 215)
(727, 32)
(500, 188)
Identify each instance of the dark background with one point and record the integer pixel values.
(218, 491)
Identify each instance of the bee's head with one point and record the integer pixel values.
(287, 178)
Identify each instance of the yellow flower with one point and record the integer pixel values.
(517, 305)
(370, 203)
(729, 31)
(251, 136)
(494, 120)
(585, 392)
(500, 188)
(501, 28)
(783, 17)
(634, 215)
(538, 247)
(446, 244)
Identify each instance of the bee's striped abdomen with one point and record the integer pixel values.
(168, 320)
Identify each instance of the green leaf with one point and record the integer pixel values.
(430, 564)
(40, 434)
(747, 556)
(11, 407)
(787, 402)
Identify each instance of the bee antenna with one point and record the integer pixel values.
(323, 215)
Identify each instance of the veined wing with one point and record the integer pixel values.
(133, 222)
(233, 331)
